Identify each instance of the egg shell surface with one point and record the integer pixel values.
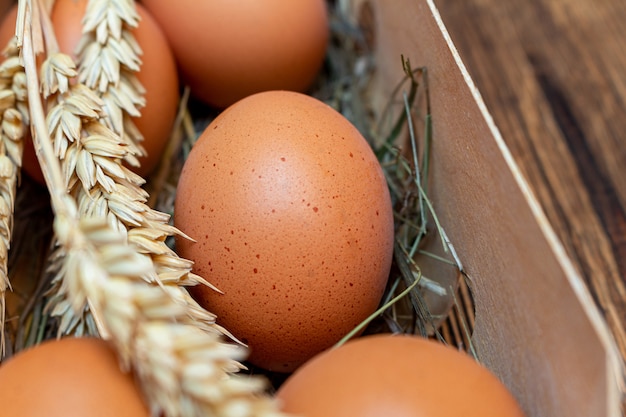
(227, 49)
(293, 221)
(68, 377)
(399, 376)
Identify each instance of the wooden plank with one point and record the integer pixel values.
(548, 72)
(536, 324)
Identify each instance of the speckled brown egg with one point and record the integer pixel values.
(68, 377)
(399, 376)
(292, 219)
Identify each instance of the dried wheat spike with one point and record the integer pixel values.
(91, 156)
(12, 109)
(109, 57)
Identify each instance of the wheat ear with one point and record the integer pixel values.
(92, 155)
(108, 60)
(13, 117)
(90, 128)
(185, 368)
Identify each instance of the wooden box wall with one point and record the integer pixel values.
(536, 327)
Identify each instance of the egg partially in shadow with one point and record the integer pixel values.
(227, 50)
(69, 377)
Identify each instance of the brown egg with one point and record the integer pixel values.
(227, 50)
(293, 222)
(68, 377)
(400, 376)
(158, 75)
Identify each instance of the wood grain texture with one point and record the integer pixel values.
(553, 75)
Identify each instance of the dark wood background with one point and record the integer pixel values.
(553, 75)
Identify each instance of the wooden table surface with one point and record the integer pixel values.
(553, 75)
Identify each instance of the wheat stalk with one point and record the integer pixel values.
(112, 259)
(13, 116)
(89, 126)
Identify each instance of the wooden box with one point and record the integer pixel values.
(536, 325)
